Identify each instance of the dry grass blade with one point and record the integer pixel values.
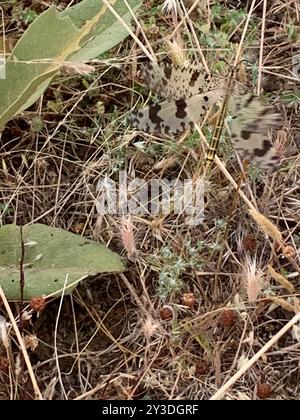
(37, 391)
(220, 393)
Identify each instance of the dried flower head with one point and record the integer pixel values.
(38, 303)
(31, 341)
(253, 279)
(127, 236)
(166, 313)
(286, 251)
(227, 318)
(263, 390)
(281, 279)
(249, 243)
(150, 327)
(70, 68)
(289, 251)
(266, 225)
(188, 299)
(177, 53)
(4, 363)
(169, 6)
(202, 368)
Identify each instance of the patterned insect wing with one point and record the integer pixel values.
(251, 122)
(173, 117)
(172, 83)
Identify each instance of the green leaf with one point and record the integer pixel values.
(51, 256)
(81, 32)
(107, 33)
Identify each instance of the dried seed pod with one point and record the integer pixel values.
(227, 318)
(263, 390)
(249, 243)
(4, 363)
(202, 368)
(288, 251)
(38, 303)
(188, 299)
(166, 313)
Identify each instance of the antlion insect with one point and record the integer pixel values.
(189, 93)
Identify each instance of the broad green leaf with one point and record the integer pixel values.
(34, 61)
(55, 39)
(51, 256)
(108, 32)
